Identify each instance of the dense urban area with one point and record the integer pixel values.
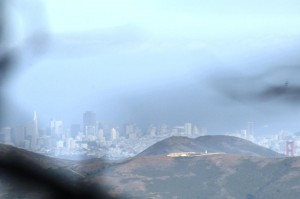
(103, 140)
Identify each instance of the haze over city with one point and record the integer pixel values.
(218, 65)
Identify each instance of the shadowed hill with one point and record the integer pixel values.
(28, 175)
(211, 143)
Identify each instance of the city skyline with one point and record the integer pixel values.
(104, 139)
(88, 119)
(98, 139)
(246, 124)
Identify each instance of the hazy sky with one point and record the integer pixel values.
(218, 64)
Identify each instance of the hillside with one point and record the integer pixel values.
(252, 175)
(28, 175)
(210, 143)
(213, 177)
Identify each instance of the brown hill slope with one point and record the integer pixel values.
(209, 176)
(159, 176)
(211, 143)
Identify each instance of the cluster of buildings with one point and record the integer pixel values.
(91, 138)
(284, 142)
(99, 139)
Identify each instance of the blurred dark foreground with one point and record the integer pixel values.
(21, 177)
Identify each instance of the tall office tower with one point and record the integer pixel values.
(19, 132)
(57, 129)
(114, 134)
(188, 128)
(34, 133)
(100, 135)
(196, 131)
(89, 122)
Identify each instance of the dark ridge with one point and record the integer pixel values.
(23, 178)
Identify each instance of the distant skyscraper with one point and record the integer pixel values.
(89, 122)
(34, 133)
(114, 134)
(196, 131)
(188, 128)
(57, 129)
(100, 135)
